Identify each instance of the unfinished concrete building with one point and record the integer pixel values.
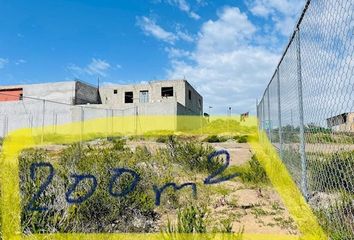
(34, 105)
(342, 123)
(174, 97)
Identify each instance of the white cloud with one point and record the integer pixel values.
(177, 53)
(264, 8)
(185, 7)
(150, 28)
(226, 66)
(183, 35)
(284, 13)
(3, 62)
(231, 30)
(96, 67)
(20, 61)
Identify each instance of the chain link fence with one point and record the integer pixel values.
(307, 112)
(35, 113)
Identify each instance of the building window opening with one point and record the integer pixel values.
(190, 94)
(115, 91)
(167, 92)
(128, 97)
(144, 96)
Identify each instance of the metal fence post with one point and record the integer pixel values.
(279, 117)
(301, 118)
(43, 119)
(263, 118)
(82, 119)
(269, 122)
(56, 122)
(257, 114)
(6, 125)
(112, 121)
(30, 121)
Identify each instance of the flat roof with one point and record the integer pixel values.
(142, 83)
(44, 83)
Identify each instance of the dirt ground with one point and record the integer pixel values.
(253, 209)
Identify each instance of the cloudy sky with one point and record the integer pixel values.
(227, 49)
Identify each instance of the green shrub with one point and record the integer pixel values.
(118, 144)
(253, 172)
(101, 212)
(325, 137)
(243, 139)
(34, 221)
(226, 226)
(212, 139)
(337, 219)
(192, 155)
(1, 141)
(163, 138)
(215, 139)
(332, 171)
(191, 219)
(226, 126)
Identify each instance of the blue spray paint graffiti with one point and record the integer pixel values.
(117, 173)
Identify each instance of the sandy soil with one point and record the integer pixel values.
(256, 210)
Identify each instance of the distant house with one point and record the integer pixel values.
(341, 123)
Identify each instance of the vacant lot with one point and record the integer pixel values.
(245, 203)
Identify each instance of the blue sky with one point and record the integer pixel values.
(227, 49)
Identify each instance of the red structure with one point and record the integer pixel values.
(12, 94)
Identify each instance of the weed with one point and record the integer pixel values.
(192, 155)
(338, 218)
(258, 212)
(241, 138)
(332, 171)
(215, 139)
(253, 172)
(285, 223)
(119, 144)
(190, 219)
(226, 226)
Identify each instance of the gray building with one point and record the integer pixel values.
(34, 105)
(342, 122)
(155, 97)
(72, 92)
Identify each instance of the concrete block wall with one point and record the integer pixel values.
(63, 92)
(114, 95)
(29, 112)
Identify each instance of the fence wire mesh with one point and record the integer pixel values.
(35, 113)
(310, 114)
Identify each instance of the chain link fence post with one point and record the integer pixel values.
(279, 117)
(268, 120)
(43, 121)
(82, 119)
(112, 122)
(6, 124)
(301, 119)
